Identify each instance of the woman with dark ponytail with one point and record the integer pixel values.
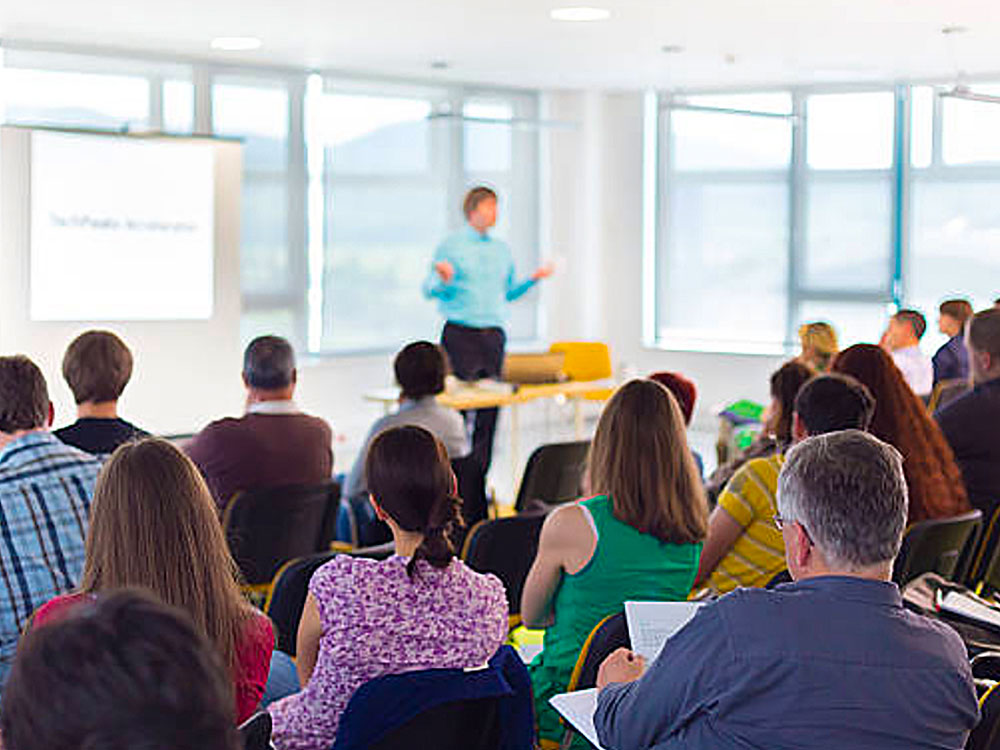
(420, 609)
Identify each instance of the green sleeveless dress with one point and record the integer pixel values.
(626, 565)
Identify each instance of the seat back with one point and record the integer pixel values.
(986, 735)
(472, 490)
(936, 546)
(608, 635)
(447, 709)
(554, 474)
(584, 360)
(984, 568)
(268, 527)
(288, 597)
(946, 391)
(505, 547)
(255, 732)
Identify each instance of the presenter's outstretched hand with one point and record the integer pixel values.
(445, 270)
(543, 272)
(621, 666)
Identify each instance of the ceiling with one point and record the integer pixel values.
(725, 43)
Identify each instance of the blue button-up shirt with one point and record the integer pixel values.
(951, 361)
(45, 493)
(832, 662)
(484, 280)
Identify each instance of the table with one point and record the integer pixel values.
(462, 396)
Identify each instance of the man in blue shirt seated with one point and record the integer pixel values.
(472, 279)
(951, 361)
(832, 660)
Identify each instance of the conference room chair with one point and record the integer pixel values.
(983, 562)
(945, 392)
(255, 732)
(986, 674)
(472, 490)
(585, 361)
(553, 474)
(938, 546)
(782, 576)
(266, 528)
(287, 597)
(447, 709)
(505, 547)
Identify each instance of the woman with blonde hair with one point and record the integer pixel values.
(153, 525)
(638, 538)
(819, 345)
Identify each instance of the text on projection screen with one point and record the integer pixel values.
(121, 228)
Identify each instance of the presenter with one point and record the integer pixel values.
(473, 278)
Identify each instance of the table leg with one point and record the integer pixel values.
(578, 417)
(515, 446)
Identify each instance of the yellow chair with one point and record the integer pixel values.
(585, 361)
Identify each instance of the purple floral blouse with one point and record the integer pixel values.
(377, 621)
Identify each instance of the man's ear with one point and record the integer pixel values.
(243, 377)
(295, 376)
(52, 414)
(802, 547)
(799, 431)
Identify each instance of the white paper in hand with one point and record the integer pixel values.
(578, 709)
(650, 624)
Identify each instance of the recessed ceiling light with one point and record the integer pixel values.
(671, 49)
(580, 13)
(235, 43)
(440, 65)
(949, 30)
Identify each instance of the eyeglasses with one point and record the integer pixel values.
(782, 522)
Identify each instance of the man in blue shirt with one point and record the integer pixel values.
(472, 279)
(45, 492)
(832, 660)
(951, 361)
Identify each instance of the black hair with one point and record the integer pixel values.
(269, 363)
(411, 479)
(420, 369)
(785, 384)
(829, 403)
(122, 673)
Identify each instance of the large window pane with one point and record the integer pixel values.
(259, 115)
(178, 106)
(969, 129)
(264, 258)
(724, 278)
(848, 235)
(850, 131)
(921, 126)
(90, 100)
(488, 136)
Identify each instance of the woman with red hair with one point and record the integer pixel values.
(901, 419)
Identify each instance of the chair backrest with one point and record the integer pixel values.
(946, 391)
(472, 490)
(288, 597)
(984, 568)
(505, 547)
(609, 634)
(255, 732)
(482, 709)
(554, 474)
(584, 360)
(937, 546)
(782, 576)
(268, 527)
(986, 735)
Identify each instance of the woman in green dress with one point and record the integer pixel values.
(638, 538)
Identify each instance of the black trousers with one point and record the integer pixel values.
(476, 353)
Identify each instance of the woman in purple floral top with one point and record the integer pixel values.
(420, 609)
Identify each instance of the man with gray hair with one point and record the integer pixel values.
(832, 660)
(274, 443)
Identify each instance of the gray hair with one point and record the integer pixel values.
(848, 490)
(269, 363)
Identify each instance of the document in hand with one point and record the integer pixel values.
(578, 709)
(650, 624)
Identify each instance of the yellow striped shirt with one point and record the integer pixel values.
(759, 552)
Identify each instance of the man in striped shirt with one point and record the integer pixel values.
(744, 547)
(45, 493)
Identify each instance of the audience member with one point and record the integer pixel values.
(274, 443)
(934, 481)
(831, 660)
(819, 345)
(153, 524)
(902, 340)
(971, 423)
(744, 545)
(686, 394)
(776, 434)
(951, 361)
(45, 491)
(638, 538)
(124, 672)
(420, 609)
(420, 369)
(97, 367)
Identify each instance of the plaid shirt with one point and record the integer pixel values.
(45, 493)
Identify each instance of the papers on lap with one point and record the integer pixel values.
(578, 709)
(650, 624)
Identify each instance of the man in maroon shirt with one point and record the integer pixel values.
(274, 443)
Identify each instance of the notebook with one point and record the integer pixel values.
(650, 624)
(578, 709)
